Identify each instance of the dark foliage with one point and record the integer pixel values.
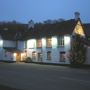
(28, 60)
(77, 51)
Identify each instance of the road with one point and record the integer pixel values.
(28, 76)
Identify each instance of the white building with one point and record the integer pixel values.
(11, 41)
(46, 43)
(50, 43)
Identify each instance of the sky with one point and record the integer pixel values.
(41, 10)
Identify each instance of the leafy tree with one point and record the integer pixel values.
(78, 50)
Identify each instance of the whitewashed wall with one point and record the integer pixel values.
(67, 41)
(7, 56)
(1, 54)
(21, 45)
(1, 48)
(55, 50)
(8, 43)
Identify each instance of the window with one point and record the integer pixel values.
(34, 55)
(62, 56)
(39, 43)
(39, 56)
(48, 42)
(79, 29)
(61, 41)
(31, 43)
(49, 55)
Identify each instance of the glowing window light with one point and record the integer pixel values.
(49, 42)
(1, 43)
(67, 40)
(15, 54)
(54, 41)
(43, 42)
(31, 43)
(22, 54)
(79, 30)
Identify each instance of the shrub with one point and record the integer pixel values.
(28, 60)
(77, 51)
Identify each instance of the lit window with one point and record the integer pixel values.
(79, 29)
(61, 41)
(49, 55)
(31, 43)
(54, 42)
(39, 43)
(48, 42)
(62, 56)
(34, 55)
(1, 43)
(67, 39)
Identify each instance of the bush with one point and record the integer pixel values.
(28, 60)
(77, 51)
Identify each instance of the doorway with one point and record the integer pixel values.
(18, 57)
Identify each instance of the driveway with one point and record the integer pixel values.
(28, 76)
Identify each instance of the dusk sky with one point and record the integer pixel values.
(40, 10)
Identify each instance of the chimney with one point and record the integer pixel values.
(77, 15)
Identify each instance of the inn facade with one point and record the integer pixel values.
(42, 42)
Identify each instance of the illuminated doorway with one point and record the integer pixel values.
(18, 57)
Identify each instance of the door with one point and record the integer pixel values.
(18, 57)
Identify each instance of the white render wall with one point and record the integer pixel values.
(1, 48)
(67, 41)
(8, 43)
(55, 50)
(9, 56)
(21, 45)
(1, 53)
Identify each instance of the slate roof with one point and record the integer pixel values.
(87, 29)
(14, 31)
(59, 28)
(10, 31)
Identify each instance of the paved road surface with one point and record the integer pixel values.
(43, 77)
(2, 87)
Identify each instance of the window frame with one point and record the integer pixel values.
(49, 42)
(61, 42)
(34, 55)
(62, 56)
(39, 43)
(39, 56)
(49, 55)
